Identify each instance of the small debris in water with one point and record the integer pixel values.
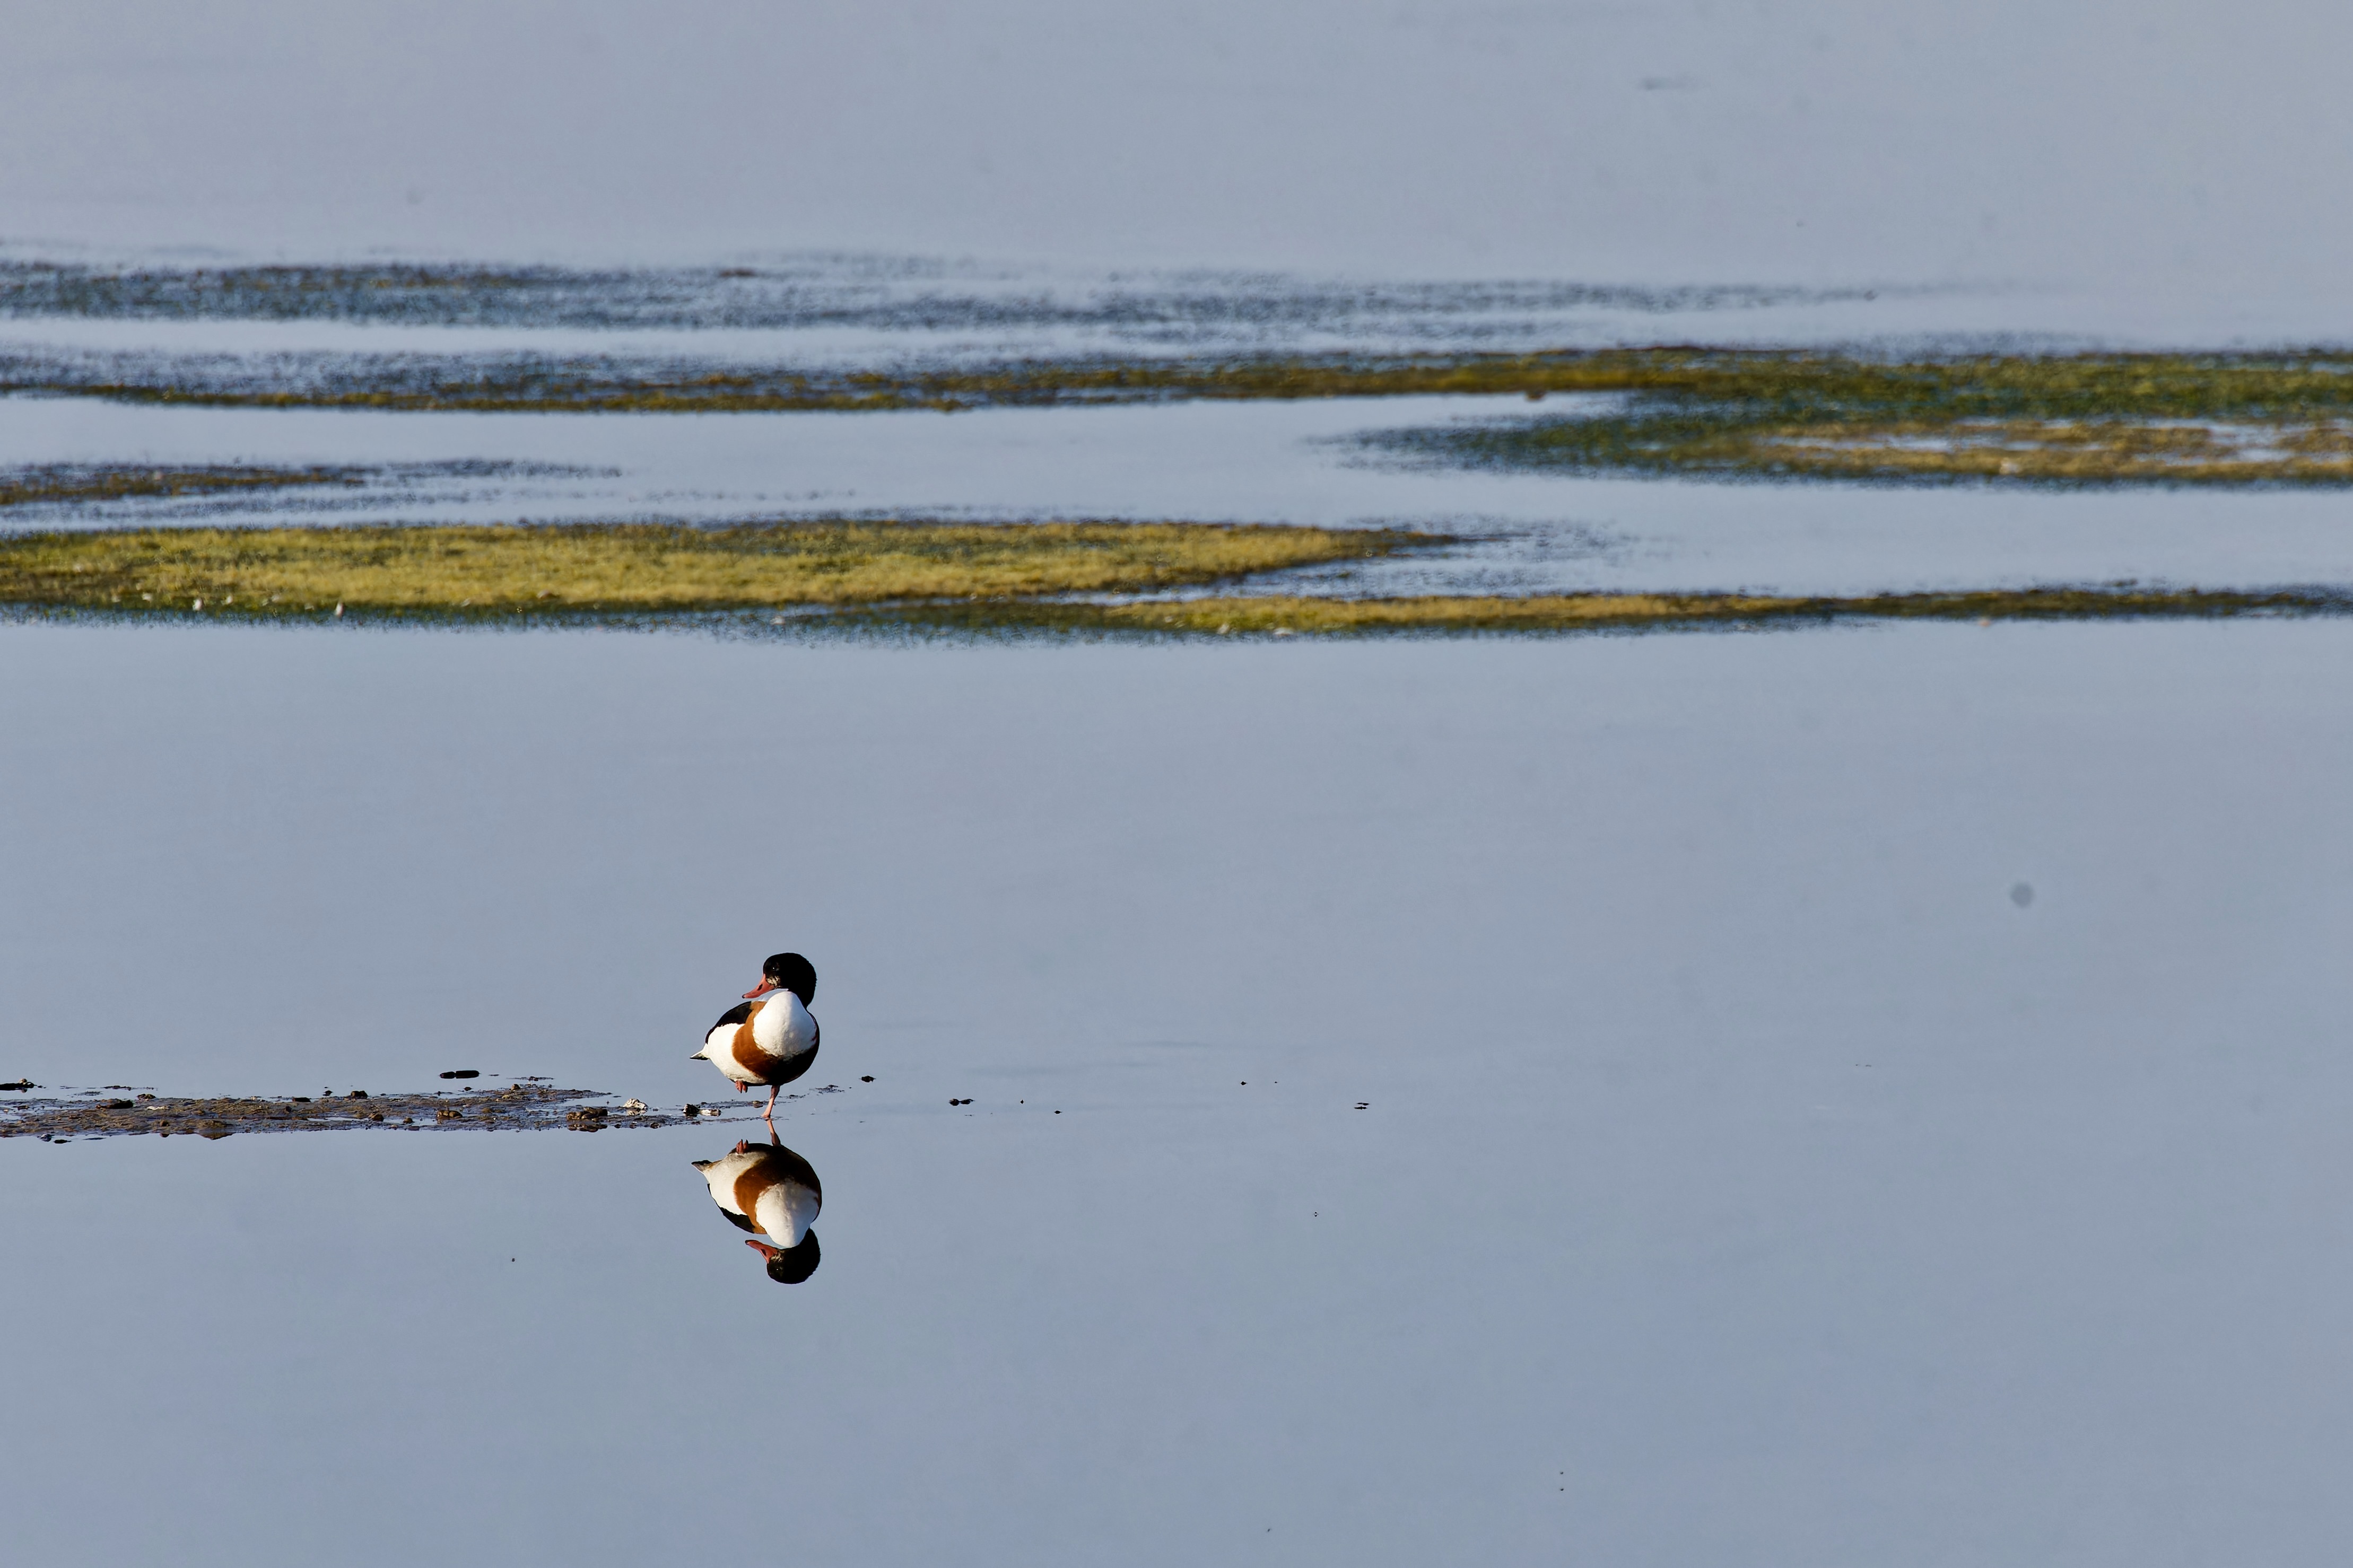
(462, 1072)
(1364, 1105)
(22, 1083)
(633, 1106)
(867, 1079)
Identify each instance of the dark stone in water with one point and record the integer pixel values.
(462, 1072)
(359, 1094)
(22, 1083)
(868, 1078)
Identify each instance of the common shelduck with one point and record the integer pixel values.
(772, 1191)
(768, 1038)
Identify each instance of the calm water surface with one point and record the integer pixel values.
(1241, 462)
(1746, 1172)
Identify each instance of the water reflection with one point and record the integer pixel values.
(770, 1191)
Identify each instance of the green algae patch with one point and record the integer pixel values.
(67, 486)
(1555, 614)
(2087, 419)
(2065, 419)
(1766, 384)
(506, 571)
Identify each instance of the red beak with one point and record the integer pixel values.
(765, 1250)
(761, 989)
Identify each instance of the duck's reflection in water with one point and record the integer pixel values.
(773, 1192)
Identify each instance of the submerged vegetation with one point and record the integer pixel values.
(870, 292)
(2068, 419)
(507, 569)
(66, 485)
(1294, 616)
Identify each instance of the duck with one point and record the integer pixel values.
(770, 1191)
(768, 1038)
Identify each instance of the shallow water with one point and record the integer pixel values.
(1746, 1172)
(1257, 462)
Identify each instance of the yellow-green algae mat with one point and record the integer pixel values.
(958, 577)
(2224, 418)
(645, 568)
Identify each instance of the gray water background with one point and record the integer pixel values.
(1746, 1173)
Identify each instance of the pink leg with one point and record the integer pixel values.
(768, 1115)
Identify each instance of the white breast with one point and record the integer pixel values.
(786, 1210)
(783, 1027)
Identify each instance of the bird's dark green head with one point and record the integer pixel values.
(792, 973)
